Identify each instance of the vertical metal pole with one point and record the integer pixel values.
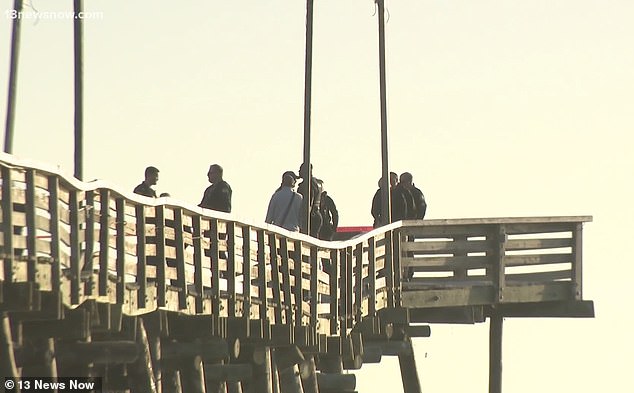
(78, 30)
(307, 106)
(385, 189)
(495, 352)
(13, 77)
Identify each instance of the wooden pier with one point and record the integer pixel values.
(156, 297)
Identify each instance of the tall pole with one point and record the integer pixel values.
(78, 33)
(385, 180)
(496, 321)
(308, 173)
(13, 77)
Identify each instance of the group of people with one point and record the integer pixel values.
(408, 201)
(286, 205)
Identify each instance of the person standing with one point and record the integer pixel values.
(419, 205)
(316, 189)
(218, 195)
(398, 207)
(330, 217)
(151, 178)
(285, 204)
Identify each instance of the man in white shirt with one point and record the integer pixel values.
(284, 207)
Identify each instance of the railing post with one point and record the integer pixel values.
(120, 203)
(75, 272)
(104, 237)
(577, 265)
(53, 208)
(371, 277)
(389, 269)
(334, 293)
(181, 279)
(231, 268)
(261, 281)
(141, 278)
(499, 281)
(398, 273)
(198, 262)
(31, 227)
(246, 271)
(89, 209)
(314, 285)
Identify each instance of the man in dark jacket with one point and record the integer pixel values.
(398, 203)
(218, 195)
(330, 217)
(151, 178)
(316, 189)
(418, 204)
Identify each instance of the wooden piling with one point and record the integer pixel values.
(495, 352)
(7, 357)
(409, 374)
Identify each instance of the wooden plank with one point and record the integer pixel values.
(459, 245)
(261, 272)
(499, 262)
(160, 262)
(539, 277)
(31, 244)
(537, 259)
(434, 264)
(371, 278)
(90, 241)
(538, 228)
(389, 269)
(344, 268)
(246, 270)
(215, 268)
(314, 290)
(120, 203)
(298, 286)
(448, 231)
(181, 281)
(334, 292)
(231, 268)
(449, 297)
(104, 235)
(141, 264)
(536, 244)
(358, 279)
(198, 268)
(577, 264)
(275, 279)
(75, 271)
(8, 228)
(553, 291)
(286, 281)
(53, 187)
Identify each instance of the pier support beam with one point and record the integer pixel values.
(7, 359)
(409, 375)
(495, 352)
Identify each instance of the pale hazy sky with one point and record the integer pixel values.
(498, 108)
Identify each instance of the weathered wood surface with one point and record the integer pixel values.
(80, 258)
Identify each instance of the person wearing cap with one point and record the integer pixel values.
(284, 206)
(151, 178)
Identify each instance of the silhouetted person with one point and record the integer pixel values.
(316, 189)
(285, 204)
(419, 205)
(151, 178)
(405, 206)
(399, 205)
(330, 217)
(218, 195)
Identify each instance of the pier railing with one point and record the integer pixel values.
(90, 241)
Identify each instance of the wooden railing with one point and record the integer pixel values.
(89, 241)
(490, 261)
